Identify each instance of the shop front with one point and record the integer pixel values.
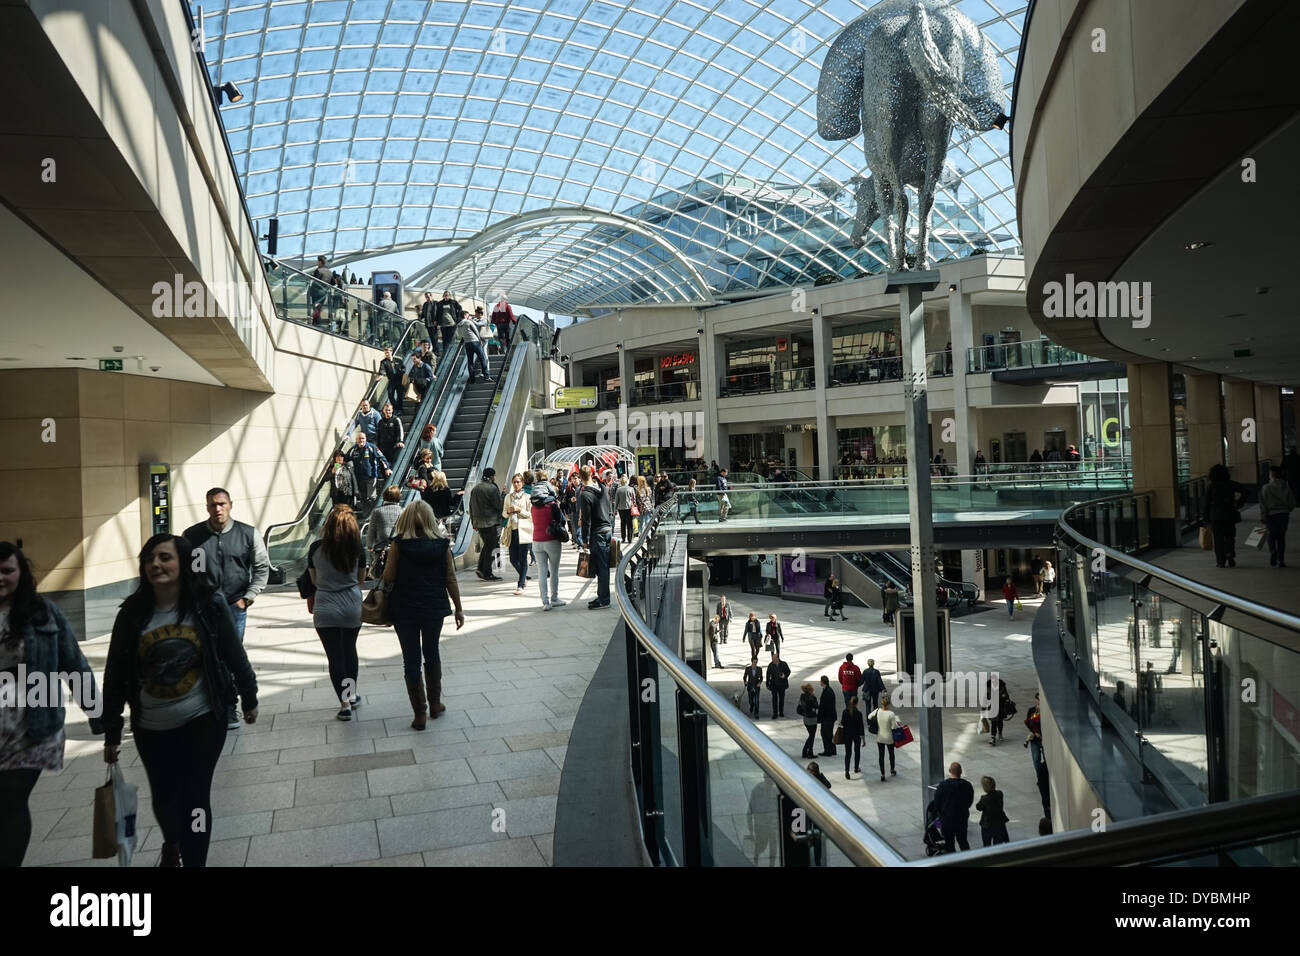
(775, 449)
(666, 377)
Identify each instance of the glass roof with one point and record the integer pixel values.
(574, 153)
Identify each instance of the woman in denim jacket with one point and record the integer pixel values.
(37, 643)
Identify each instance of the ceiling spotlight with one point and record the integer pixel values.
(229, 91)
(1193, 246)
(1235, 315)
(1261, 290)
(75, 358)
(952, 287)
(564, 358)
(1165, 349)
(815, 312)
(1150, 339)
(618, 346)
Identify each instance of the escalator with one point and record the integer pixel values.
(880, 567)
(287, 542)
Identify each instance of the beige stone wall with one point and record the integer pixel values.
(76, 501)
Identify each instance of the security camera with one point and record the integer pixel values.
(119, 348)
(154, 368)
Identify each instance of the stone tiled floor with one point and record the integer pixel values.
(302, 788)
(985, 641)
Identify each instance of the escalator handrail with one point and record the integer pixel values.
(475, 464)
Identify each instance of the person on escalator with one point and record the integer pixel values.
(391, 370)
(503, 320)
(343, 484)
(467, 333)
(389, 434)
(429, 314)
(368, 464)
(367, 420)
(449, 313)
(421, 376)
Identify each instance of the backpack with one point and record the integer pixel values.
(556, 528)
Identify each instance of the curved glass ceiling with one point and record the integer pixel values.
(376, 126)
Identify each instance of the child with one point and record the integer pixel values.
(993, 822)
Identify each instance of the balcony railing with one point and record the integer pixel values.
(771, 380)
(1040, 354)
(687, 390)
(888, 368)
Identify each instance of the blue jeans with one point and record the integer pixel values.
(753, 699)
(475, 350)
(600, 541)
(419, 633)
(241, 616)
(1011, 607)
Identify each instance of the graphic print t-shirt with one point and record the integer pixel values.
(172, 691)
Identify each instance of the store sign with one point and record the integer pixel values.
(678, 360)
(1106, 434)
(583, 396)
(782, 344)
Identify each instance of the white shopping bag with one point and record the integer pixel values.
(124, 800)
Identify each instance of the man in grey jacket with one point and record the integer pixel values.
(485, 507)
(235, 564)
(1276, 502)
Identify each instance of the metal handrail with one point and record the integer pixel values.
(846, 829)
(1146, 839)
(1232, 602)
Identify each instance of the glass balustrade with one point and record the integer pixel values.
(1008, 355)
(303, 298)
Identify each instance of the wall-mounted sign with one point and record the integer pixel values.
(678, 360)
(576, 396)
(782, 344)
(156, 478)
(1111, 438)
(110, 365)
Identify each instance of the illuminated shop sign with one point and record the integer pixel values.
(678, 360)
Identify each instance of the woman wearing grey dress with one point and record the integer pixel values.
(338, 571)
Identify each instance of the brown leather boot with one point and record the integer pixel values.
(433, 674)
(415, 691)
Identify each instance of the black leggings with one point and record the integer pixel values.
(808, 744)
(340, 645)
(881, 748)
(15, 816)
(1225, 540)
(625, 524)
(852, 748)
(180, 764)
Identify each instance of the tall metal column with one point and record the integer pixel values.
(911, 313)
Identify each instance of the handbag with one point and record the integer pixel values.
(305, 588)
(902, 735)
(1206, 537)
(768, 646)
(374, 609)
(104, 838)
(505, 535)
(585, 568)
(636, 512)
(1258, 538)
(839, 735)
(615, 553)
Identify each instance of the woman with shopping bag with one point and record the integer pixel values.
(176, 658)
(33, 633)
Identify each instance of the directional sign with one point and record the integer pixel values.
(110, 365)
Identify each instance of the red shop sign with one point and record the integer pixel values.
(678, 360)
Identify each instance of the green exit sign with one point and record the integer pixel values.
(110, 365)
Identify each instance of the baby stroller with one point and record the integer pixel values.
(934, 839)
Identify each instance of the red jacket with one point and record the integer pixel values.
(1009, 591)
(850, 676)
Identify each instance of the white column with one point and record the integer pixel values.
(961, 336)
(826, 431)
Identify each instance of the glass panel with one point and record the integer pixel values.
(1261, 712)
(1171, 693)
(1115, 633)
(668, 750)
(745, 820)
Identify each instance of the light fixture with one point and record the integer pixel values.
(952, 287)
(1165, 349)
(815, 312)
(699, 331)
(119, 348)
(229, 91)
(618, 346)
(75, 358)
(1261, 290)
(564, 358)
(1150, 339)
(1199, 244)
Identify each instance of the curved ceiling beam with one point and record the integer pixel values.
(542, 218)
